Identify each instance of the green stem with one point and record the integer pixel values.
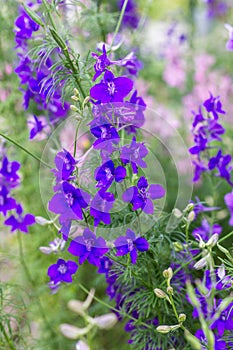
(49, 13)
(114, 309)
(25, 150)
(225, 237)
(75, 140)
(30, 279)
(9, 342)
(119, 22)
(100, 22)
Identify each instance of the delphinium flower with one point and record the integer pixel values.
(207, 130)
(229, 202)
(140, 196)
(100, 207)
(111, 89)
(69, 203)
(62, 271)
(88, 247)
(65, 164)
(107, 172)
(130, 18)
(229, 44)
(131, 244)
(216, 8)
(133, 154)
(34, 72)
(9, 179)
(205, 231)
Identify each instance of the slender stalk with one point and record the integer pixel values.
(75, 140)
(25, 150)
(119, 22)
(114, 309)
(30, 279)
(8, 340)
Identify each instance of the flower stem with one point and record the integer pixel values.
(31, 281)
(8, 340)
(114, 309)
(119, 22)
(25, 150)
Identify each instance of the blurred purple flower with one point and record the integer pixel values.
(229, 202)
(20, 222)
(100, 207)
(229, 44)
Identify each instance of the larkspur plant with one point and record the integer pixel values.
(171, 286)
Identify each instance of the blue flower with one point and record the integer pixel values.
(65, 164)
(107, 173)
(102, 62)
(100, 207)
(205, 231)
(88, 247)
(6, 203)
(140, 196)
(62, 271)
(213, 105)
(221, 162)
(130, 244)
(106, 135)
(20, 222)
(133, 154)
(111, 89)
(37, 128)
(8, 173)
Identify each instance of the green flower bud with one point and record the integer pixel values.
(182, 318)
(160, 293)
(163, 329)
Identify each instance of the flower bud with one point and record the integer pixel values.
(73, 332)
(212, 241)
(177, 213)
(74, 108)
(81, 345)
(75, 98)
(201, 263)
(76, 92)
(106, 321)
(178, 246)
(191, 216)
(189, 207)
(182, 318)
(163, 329)
(168, 273)
(160, 293)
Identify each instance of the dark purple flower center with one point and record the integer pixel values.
(69, 199)
(62, 269)
(143, 193)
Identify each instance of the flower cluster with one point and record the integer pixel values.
(36, 81)
(207, 130)
(9, 179)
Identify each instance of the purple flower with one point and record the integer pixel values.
(229, 44)
(130, 62)
(218, 343)
(111, 89)
(6, 203)
(225, 320)
(105, 265)
(8, 173)
(37, 127)
(65, 164)
(213, 105)
(130, 244)
(88, 247)
(130, 18)
(69, 204)
(102, 62)
(100, 207)
(140, 196)
(25, 26)
(229, 202)
(205, 231)
(107, 173)
(199, 207)
(106, 135)
(221, 162)
(62, 271)
(133, 154)
(20, 222)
